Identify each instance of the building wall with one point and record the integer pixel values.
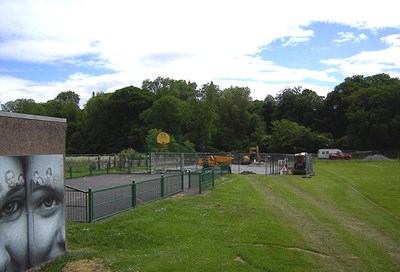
(32, 213)
(22, 134)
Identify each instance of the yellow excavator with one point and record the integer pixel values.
(253, 156)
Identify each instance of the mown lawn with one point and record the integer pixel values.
(346, 218)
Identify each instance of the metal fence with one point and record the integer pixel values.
(89, 165)
(172, 161)
(161, 162)
(77, 203)
(81, 169)
(264, 163)
(93, 205)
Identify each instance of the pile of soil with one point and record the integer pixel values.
(85, 266)
(376, 158)
(247, 173)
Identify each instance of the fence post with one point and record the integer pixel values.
(162, 185)
(90, 169)
(182, 181)
(70, 171)
(200, 180)
(182, 161)
(90, 204)
(150, 162)
(212, 177)
(133, 194)
(108, 167)
(190, 179)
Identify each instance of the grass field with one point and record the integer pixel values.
(346, 218)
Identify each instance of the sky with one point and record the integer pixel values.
(85, 46)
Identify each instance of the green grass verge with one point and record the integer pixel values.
(346, 218)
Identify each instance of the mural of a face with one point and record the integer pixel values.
(32, 224)
(46, 211)
(13, 219)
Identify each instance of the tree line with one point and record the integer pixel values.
(361, 113)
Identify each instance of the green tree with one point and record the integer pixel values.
(97, 132)
(336, 105)
(173, 146)
(287, 136)
(269, 112)
(125, 106)
(26, 106)
(238, 127)
(299, 105)
(290, 137)
(66, 105)
(203, 117)
(113, 122)
(169, 87)
(68, 97)
(374, 117)
(336, 112)
(167, 113)
(361, 112)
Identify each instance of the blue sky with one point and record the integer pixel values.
(47, 47)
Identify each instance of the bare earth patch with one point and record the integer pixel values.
(177, 196)
(395, 256)
(287, 247)
(85, 266)
(239, 259)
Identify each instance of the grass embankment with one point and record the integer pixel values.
(346, 218)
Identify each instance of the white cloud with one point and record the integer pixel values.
(392, 40)
(293, 41)
(193, 40)
(369, 62)
(344, 37)
(13, 88)
(349, 36)
(361, 37)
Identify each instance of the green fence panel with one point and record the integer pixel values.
(98, 204)
(173, 184)
(110, 201)
(76, 203)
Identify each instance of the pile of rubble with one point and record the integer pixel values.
(376, 158)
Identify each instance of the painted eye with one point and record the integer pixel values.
(11, 210)
(48, 202)
(48, 206)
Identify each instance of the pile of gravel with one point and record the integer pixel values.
(376, 158)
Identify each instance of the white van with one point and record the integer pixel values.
(332, 154)
(324, 153)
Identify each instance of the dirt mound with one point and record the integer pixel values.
(247, 173)
(85, 266)
(376, 158)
